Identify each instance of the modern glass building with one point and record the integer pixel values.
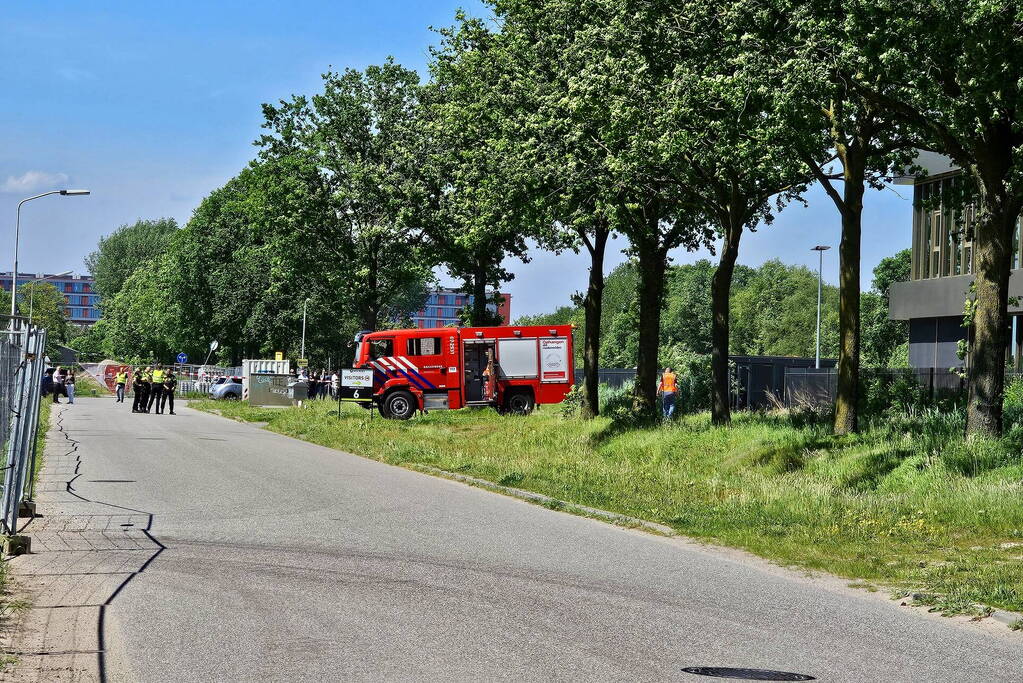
(442, 307)
(942, 270)
(82, 303)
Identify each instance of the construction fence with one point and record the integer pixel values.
(191, 378)
(22, 360)
(812, 387)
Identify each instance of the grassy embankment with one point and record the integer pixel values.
(909, 505)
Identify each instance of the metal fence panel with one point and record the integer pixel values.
(612, 377)
(22, 354)
(812, 387)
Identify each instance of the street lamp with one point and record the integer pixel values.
(17, 236)
(820, 249)
(304, 304)
(32, 291)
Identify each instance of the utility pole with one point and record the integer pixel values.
(304, 305)
(820, 249)
(17, 238)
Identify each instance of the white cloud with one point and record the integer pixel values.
(31, 181)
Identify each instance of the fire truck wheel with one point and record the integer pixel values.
(400, 405)
(519, 403)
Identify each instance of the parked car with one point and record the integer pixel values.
(227, 388)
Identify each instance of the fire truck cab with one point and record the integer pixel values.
(510, 368)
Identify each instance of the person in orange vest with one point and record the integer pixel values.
(668, 388)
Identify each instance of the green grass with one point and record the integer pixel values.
(45, 403)
(908, 505)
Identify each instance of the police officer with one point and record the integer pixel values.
(170, 383)
(156, 391)
(122, 379)
(138, 386)
(147, 389)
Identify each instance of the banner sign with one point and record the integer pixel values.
(110, 376)
(554, 360)
(357, 378)
(356, 386)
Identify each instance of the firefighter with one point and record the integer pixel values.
(170, 383)
(122, 379)
(489, 378)
(138, 386)
(156, 390)
(668, 389)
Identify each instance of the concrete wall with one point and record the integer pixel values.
(941, 296)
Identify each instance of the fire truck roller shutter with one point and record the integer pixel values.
(518, 358)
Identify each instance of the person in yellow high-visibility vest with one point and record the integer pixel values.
(668, 389)
(156, 392)
(122, 379)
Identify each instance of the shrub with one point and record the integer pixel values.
(1012, 413)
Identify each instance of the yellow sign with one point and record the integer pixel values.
(279, 355)
(303, 362)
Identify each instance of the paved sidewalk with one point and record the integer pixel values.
(83, 552)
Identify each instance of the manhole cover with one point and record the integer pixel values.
(746, 674)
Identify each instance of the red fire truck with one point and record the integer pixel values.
(510, 368)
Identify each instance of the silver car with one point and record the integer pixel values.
(227, 388)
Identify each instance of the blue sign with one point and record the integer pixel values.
(182, 358)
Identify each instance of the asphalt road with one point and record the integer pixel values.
(285, 561)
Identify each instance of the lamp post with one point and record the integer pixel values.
(304, 305)
(17, 236)
(32, 291)
(820, 249)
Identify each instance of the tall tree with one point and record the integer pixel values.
(568, 190)
(352, 146)
(952, 70)
(472, 215)
(833, 125)
(127, 248)
(721, 123)
(141, 323)
(616, 81)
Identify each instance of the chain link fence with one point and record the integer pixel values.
(22, 360)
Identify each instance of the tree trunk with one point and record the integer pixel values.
(593, 308)
(652, 263)
(992, 243)
(721, 289)
(847, 397)
(479, 294)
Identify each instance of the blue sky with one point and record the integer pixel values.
(153, 105)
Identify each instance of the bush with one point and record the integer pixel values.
(1012, 408)
(616, 402)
